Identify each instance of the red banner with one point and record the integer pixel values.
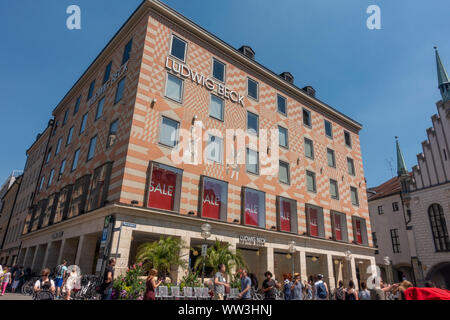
(285, 216)
(251, 209)
(161, 194)
(211, 200)
(358, 231)
(313, 223)
(337, 227)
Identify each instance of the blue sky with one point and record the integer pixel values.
(384, 79)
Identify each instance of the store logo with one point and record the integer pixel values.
(252, 240)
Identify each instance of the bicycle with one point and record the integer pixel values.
(88, 290)
(28, 287)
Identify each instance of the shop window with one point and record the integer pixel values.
(359, 231)
(79, 195)
(164, 187)
(286, 215)
(99, 187)
(254, 208)
(314, 221)
(214, 195)
(339, 226)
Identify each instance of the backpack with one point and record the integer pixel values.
(58, 270)
(340, 294)
(321, 291)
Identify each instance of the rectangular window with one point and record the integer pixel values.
(328, 129)
(252, 123)
(281, 104)
(348, 139)
(380, 210)
(66, 116)
(339, 226)
(354, 196)
(58, 146)
(75, 159)
(168, 135)
(284, 174)
(62, 168)
(254, 209)
(306, 117)
(252, 88)
(214, 199)
(216, 107)
(286, 215)
(112, 136)
(283, 137)
(127, 51)
(359, 230)
(92, 145)
(351, 166)
(252, 165)
(79, 194)
(41, 185)
(178, 48)
(310, 181)
(69, 136)
(314, 221)
(395, 241)
(395, 206)
(309, 148)
(120, 90)
(49, 155)
(83, 123)
(50, 178)
(174, 88)
(218, 70)
(99, 111)
(214, 149)
(165, 187)
(375, 239)
(98, 192)
(77, 105)
(331, 158)
(107, 72)
(91, 90)
(334, 190)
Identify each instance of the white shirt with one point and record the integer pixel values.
(37, 284)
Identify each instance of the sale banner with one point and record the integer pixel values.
(161, 193)
(212, 202)
(285, 215)
(313, 223)
(252, 209)
(337, 227)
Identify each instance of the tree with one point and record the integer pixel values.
(161, 254)
(220, 253)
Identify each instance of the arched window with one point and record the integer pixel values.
(439, 228)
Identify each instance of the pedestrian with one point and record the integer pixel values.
(246, 286)
(350, 292)
(297, 287)
(220, 284)
(376, 293)
(287, 287)
(320, 288)
(27, 274)
(364, 294)
(108, 279)
(269, 286)
(254, 282)
(17, 278)
(339, 292)
(307, 287)
(73, 281)
(60, 276)
(6, 279)
(151, 285)
(44, 288)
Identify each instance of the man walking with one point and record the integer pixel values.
(269, 286)
(297, 288)
(108, 279)
(246, 285)
(219, 283)
(17, 279)
(321, 289)
(60, 275)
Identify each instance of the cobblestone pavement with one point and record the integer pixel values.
(14, 296)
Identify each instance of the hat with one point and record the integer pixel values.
(320, 276)
(296, 274)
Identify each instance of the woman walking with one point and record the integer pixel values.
(350, 293)
(364, 294)
(151, 285)
(339, 292)
(6, 279)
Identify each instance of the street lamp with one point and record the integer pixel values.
(291, 251)
(348, 255)
(206, 233)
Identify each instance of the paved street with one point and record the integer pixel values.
(14, 296)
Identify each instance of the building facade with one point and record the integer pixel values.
(113, 179)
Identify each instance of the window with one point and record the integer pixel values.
(309, 148)
(107, 72)
(75, 159)
(354, 196)
(127, 51)
(178, 48)
(165, 187)
(41, 184)
(218, 70)
(359, 231)
(283, 173)
(214, 149)
(314, 221)
(120, 90)
(49, 155)
(69, 136)
(375, 239)
(351, 166)
(66, 116)
(380, 210)
(252, 88)
(214, 198)
(310, 181)
(281, 104)
(254, 209)
(58, 146)
(77, 105)
(331, 158)
(252, 165)
(112, 136)
(99, 111)
(286, 215)
(168, 135)
(334, 191)
(83, 123)
(348, 139)
(174, 88)
(328, 129)
(252, 123)
(50, 178)
(307, 118)
(216, 107)
(91, 90)
(395, 241)
(283, 137)
(395, 206)
(439, 228)
(61, 168)
(339, 226)
(92, 145)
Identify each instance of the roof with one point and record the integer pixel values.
(388, 188)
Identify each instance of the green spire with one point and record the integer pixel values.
(401, 165)
(444, 82)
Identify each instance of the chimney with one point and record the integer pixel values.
(310, 91)
(248, 51)
(288, 77)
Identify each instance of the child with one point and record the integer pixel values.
(6, 280)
